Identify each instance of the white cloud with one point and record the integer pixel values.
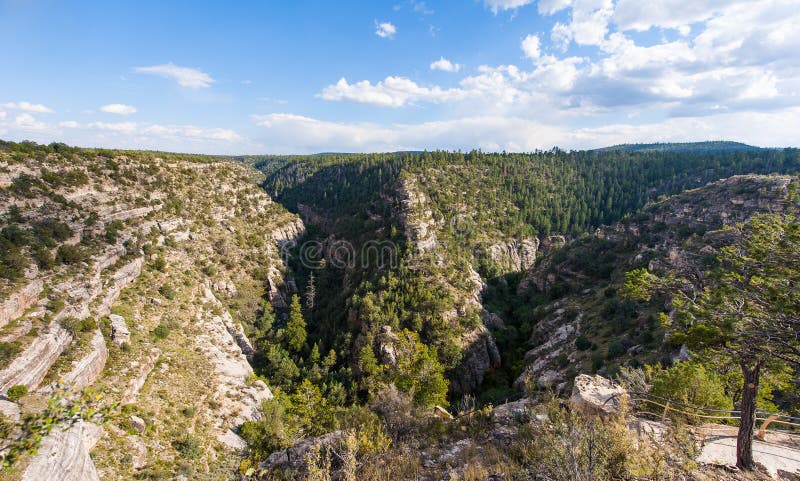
(289, 133)
(26, 121)
(118, 109)
(677, 14)
(28, 107)
(445, 65)
(390, 92)
(2, 115)
(531, 47)
(295, 133)
(185, 76)
(385, 29)
(127, 135)
(500, 5)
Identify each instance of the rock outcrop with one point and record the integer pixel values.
(597, 395)
(30, 367)
(416, 216)
(294, 457)
(239, 399)
(137, 382)
(119, 330)
(18, 302)
(514, 255)
(87, 370)
(480, 354)
(64, 455)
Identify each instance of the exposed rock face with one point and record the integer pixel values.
(239, 399)
(88, 369)
(514, 255)
(64, 455)
(30, 367)
(137, 450)
(119, 330)
(596, 394)
(290, 231)
(295, 456)
(9, 410)
(147, 365)
(551, 337)
(480, 355)
(416, 216)
(18, 302)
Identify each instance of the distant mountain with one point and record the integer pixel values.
(696, 147)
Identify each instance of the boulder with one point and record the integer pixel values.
(295, 456)
(119, 330)
(138, 424)
(596, 395)
(9, 410)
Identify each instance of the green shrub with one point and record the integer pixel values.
(17, 392)
(188, 446)
(70, 254)
(8, 350)
(615, 350)
(161, 331)
(691, 383)
(167, 291)
(582, 343)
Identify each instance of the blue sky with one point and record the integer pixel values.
(310, 76)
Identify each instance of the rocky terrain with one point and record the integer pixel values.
(169, 254)
(579, 283)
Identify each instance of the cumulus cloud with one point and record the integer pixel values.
(185, 76)
(445, 65)
(118, 109)
(129, 135)
(385, 29)
(531, 46)
(499, 5)
(285, 132)
(390, 92)
(28, 107)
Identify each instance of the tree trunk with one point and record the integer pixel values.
(744, 440)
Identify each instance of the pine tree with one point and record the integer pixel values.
(295, 333)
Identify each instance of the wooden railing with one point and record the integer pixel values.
(645, 404)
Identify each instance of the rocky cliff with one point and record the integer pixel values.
(580, 281)
(126, 303)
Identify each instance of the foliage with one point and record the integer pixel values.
(16, 392)
(65, 407)
(690, 383)
(295, 333)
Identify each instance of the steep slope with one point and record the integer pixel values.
(580, 325)
(139, 274)
(465, 228)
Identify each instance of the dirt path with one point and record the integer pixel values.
(778, 452)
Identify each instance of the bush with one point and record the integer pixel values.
(167, 291)
(615, 350)
(8, 350)
(70, 254)
(582, 343)
(17, 392)
(188, 446)
(161, 331)
(690, 383)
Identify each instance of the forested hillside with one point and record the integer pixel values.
(462, 222)
(349, 298)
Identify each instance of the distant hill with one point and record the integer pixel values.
(696, 147)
